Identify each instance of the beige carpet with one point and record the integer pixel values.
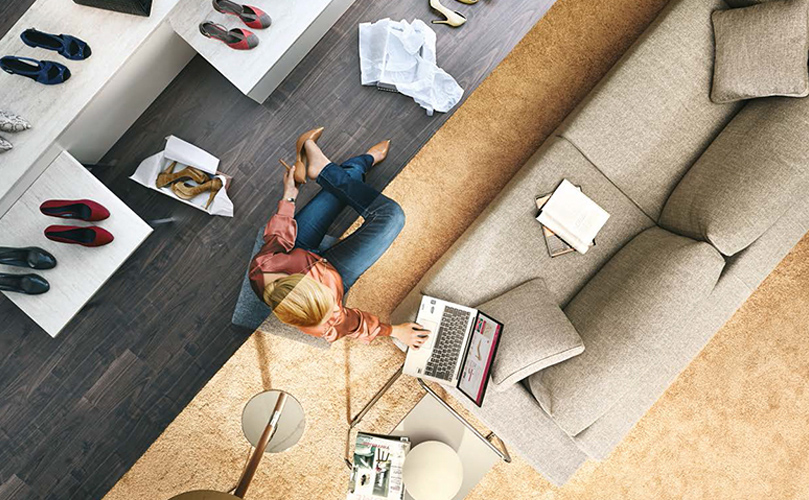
(733, 425)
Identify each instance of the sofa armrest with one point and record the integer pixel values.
(515, 416)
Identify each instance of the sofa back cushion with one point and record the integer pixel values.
(627, 316)
(649, 120)
(747, 178)
(761, 51)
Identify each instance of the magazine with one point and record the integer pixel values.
(377, 471)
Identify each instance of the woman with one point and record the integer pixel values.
(303, 283)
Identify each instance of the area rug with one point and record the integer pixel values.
(733, 425)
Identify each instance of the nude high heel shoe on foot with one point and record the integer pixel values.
(380, 149)
(300, 158)
(168, 176)
(453, 18)
(188, 192)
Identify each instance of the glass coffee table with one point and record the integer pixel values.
(433, 419)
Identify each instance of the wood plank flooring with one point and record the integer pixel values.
(76, 412)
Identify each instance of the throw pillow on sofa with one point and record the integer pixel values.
(747, 178)
(536, 333)
(761, 51)
(627, 316)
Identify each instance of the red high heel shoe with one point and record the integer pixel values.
(251, 16)
(236, 38)
(75, 209)
(91, 236)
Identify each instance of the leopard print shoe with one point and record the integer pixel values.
(9, 122)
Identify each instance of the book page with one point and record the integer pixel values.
(573, 216)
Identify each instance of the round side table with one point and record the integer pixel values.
(272, 421)
(432, 471)
(289, 428)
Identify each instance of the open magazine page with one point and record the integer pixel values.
(377, 471)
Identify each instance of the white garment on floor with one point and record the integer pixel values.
(400, 56)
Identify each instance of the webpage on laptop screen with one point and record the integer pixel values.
(479, 358)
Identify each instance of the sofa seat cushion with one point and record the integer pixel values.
(751, 174)
(651, 117)
(600, 438)
(504, 247)
(761, 51)
(536, 333)
(741, 275)
(627, 316)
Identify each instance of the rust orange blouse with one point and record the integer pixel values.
(278, 255)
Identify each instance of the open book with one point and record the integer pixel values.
(573, 216)
(556, 245)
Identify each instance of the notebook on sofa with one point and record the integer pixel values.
(572, 216)
(556, 246)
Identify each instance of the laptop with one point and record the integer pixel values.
(460, 349)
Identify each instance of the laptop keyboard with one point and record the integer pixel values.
(448, 344)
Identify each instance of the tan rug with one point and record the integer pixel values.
(733, 425)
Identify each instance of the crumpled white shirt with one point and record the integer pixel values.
(400, 56)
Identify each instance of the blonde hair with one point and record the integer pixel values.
(299, 300)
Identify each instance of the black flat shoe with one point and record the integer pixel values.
(29, 284)
(33, 257)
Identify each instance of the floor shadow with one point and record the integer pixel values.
(263, 357)
(347, 372)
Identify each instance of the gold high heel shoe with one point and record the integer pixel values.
(381, 149)
(300, 158)
(468, 2)
(187, 191)
(168, 176)
(453, 18)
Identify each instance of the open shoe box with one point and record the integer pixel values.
(186, 154)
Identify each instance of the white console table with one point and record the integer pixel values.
(80, 271)
(296, 27)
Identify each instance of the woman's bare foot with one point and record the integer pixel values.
(316, 160)
(379, 151)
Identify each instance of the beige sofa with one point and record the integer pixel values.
(705, 200)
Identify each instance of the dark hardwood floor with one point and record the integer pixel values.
(77, 411)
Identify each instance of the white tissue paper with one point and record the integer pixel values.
(400, 56)
(185, 154)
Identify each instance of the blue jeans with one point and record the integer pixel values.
(344, 185)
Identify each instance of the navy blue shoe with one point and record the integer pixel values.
(44, 72)
(33, 257)
(69, 46)
(29, 284)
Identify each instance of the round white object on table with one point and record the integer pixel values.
(433, 471)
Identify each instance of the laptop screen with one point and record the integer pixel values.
(478, 359)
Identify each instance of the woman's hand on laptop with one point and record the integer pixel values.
(412, 334)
